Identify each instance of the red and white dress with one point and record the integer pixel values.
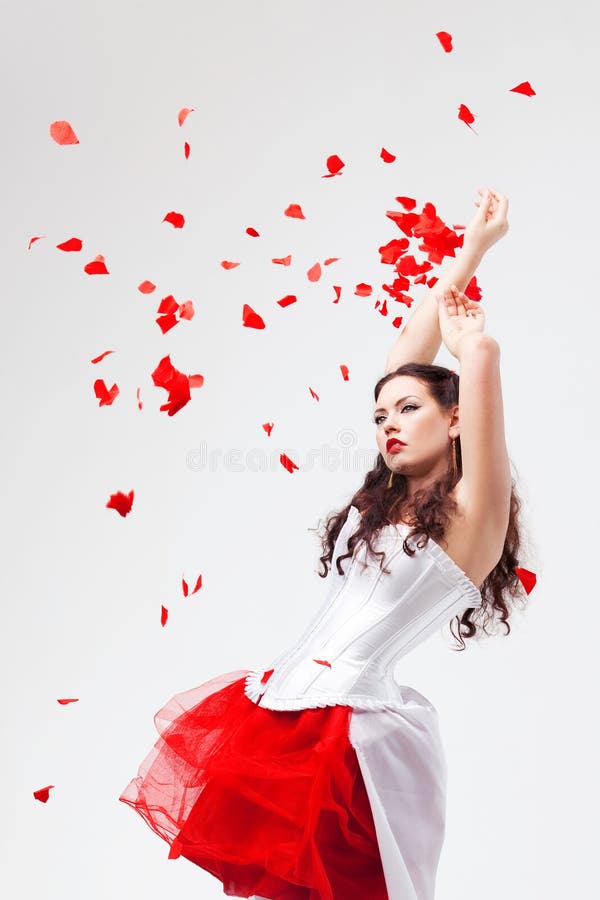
(318, 777)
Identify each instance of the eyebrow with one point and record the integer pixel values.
(397, 403)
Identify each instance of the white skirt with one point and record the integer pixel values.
(403, 765)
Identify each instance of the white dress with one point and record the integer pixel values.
(367, 623)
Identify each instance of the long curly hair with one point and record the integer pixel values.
(430, 512)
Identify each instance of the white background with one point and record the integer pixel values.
(277, 88)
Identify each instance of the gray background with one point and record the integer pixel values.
(277, 88)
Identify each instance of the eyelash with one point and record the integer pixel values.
(406, 406)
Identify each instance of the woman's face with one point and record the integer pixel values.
(406, 410)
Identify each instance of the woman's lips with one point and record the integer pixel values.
(394, 446)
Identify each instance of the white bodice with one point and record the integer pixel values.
(368, 621)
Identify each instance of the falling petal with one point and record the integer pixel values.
(186, 310)
(268, 427)
(338, 291)
(286, 462)
(164, 615)
(252, 232)
(73, 244)
(175, 219)
(146, 287)
(266, 675)
(397, 322)
(183, 114)
(322, 662)
(344, 370)
(98, 359)
(105, 396)
(251, 319)
(175, 382)
(184, 587)
(472, 290)
(62, 133)
(363, 290)
(121, 502)
(229, 265)
(445, 40)
(314, 273)
(97, 266)
(294, 210)
(528, 579)
(407, 202)
(42, 794)
(34, 239)
(387, 157)
(64, 700)
(287, 300)
(465, 115)
(165, 323)
(334, 166)
(283, 261)
(316, 396)
(138, 397)
(330, 259)
(524, 88)
(186, 150)
(196, 381)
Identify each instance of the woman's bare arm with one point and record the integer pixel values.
(420, 339)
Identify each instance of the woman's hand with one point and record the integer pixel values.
(489, 223)
(458, 317)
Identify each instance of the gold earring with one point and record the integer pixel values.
(390, 479)
(454, 466)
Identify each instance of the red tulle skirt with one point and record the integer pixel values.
(270, 802)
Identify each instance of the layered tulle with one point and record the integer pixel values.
(270, 802)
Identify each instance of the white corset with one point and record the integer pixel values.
(368, 621)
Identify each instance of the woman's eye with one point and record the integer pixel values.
(406, 406)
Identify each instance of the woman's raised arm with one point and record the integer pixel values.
(420, 339)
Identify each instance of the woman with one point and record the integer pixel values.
(321, 777)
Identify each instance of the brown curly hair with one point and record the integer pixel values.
(430, 510)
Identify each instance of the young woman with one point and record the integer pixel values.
(321, 776)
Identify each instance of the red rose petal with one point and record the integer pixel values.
(465, 115)
(330, 259)
(139, 401)
(183, 114)
(528, 579)
(316, 396)
(252, 232)
(34, 239)
(186, 310)
(175, 219)
(164, 615)
(42, 794)
(62, 133)
(384, 310)
(266, 675)
(186, 150)
(175, 382)
(196, 381)
(445, 40)
(283, 261)
(397, 322)
(472, 290)
(97, 266)
(286, 462)
(524, 88)
(73, 244)
(168, 304)
(98, 359)
(229, 265)
(121, 502)
(334, 166)
(322, 662)
(105, 396)
(268, 427)
(184, 587)
(407, 202)
(338, 292)
(64, 700)
(287, 300)
(314, 273)
(387, 157)
(344, 370)
(294, 211)
(165, 323)
(146, 287)
(198, 585)
(251, 319)
(363, 290)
